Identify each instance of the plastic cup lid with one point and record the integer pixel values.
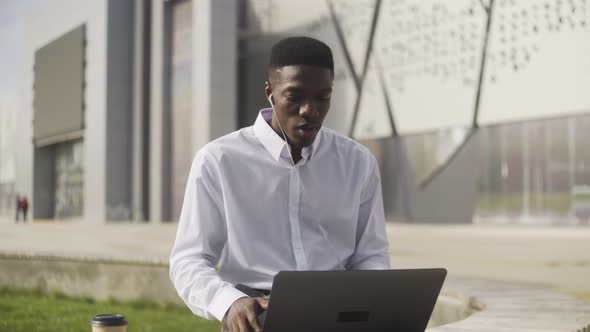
(109, 320)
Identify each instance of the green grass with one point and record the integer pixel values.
(26, 310)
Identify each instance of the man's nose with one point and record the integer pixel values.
(308, 110)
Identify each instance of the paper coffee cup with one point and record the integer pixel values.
(109, 323)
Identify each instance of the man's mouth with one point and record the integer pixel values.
(308, 130)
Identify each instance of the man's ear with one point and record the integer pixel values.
(267, 89)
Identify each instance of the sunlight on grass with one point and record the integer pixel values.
(580, 294)
(25, 310)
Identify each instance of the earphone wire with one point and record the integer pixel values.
(272, 105)
(341, 264)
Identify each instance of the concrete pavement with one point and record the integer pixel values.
(554, 256)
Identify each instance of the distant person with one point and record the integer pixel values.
(17, 207)
(283, 194)
(24, 206)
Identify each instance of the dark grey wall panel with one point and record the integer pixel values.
(396, 178)
(449, 197)
(59, 85)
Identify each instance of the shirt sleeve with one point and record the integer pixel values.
(372, 247)
(200, 239)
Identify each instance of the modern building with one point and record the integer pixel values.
(478, 111)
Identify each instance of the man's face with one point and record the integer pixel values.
(301, 96)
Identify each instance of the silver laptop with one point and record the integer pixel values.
(363, 301)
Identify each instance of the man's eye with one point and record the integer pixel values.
(293, 99)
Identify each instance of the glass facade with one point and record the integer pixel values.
(69, 179)
(7, 200)
(7, 156)
(538, 169)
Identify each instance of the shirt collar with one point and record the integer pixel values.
(274, 143)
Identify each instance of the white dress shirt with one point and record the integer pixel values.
(248, 213)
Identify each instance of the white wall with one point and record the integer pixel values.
(47, 21)
(418, 102)
(11, 39)
(555, 81)
(7, 138)
(429, 52)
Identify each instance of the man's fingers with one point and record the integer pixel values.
(263, 302)
(243, 325)
(252, 319)
(243, 315)
(236, 326)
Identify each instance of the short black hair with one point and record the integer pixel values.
(301, 51)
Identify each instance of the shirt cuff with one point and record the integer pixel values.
(223, 301)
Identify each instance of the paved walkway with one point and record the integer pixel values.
(557, 257)
(515, 307)
(552, 256)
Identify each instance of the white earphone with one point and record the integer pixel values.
(272, 105)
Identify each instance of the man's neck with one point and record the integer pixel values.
(295, 151)
(295, 154)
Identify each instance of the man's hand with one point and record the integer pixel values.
(242, 315)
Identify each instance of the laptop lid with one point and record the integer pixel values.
(363, 301)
